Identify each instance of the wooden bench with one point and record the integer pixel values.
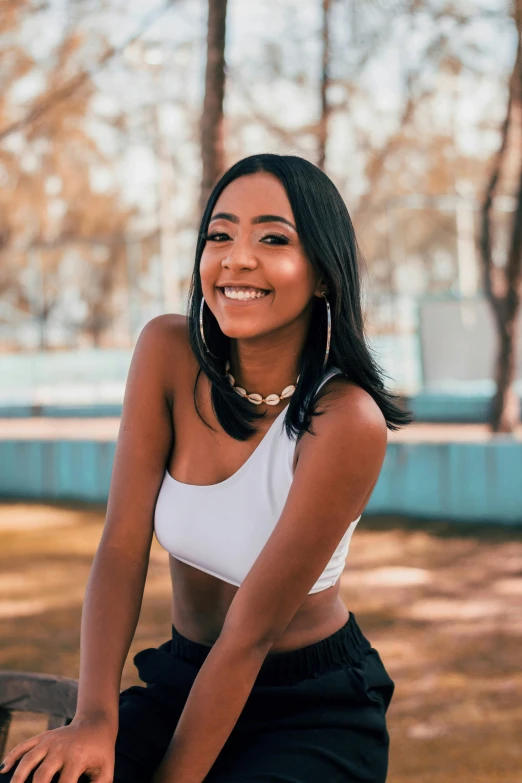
(49, 694)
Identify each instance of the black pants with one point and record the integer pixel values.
(314, 715)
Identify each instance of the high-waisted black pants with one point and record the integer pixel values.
(314, 715)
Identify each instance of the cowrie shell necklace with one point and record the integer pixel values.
(257, 399)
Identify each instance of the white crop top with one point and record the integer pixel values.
(221, 528)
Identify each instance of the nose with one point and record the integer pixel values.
(239, 256)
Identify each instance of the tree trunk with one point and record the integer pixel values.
(505, 303)
(211, 127)
(322, 134)
(505, 408)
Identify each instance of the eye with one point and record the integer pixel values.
(213, 237)
(281, 239)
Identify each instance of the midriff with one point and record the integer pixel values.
(200, 604)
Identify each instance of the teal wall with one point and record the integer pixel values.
(468, 482)
(56, 469)
(466, 406)
(474, 482)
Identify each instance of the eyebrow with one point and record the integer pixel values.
(255, 220)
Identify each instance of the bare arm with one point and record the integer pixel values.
(334, 478)
(115, 586)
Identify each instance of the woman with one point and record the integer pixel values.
(267, 675)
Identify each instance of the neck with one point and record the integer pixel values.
(267, 363)
(263, 372)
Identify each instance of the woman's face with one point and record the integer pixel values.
(252, 243)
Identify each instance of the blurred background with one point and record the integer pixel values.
(116, 118)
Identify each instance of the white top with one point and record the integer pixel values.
(221, 528)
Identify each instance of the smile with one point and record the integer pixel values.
(239, 297)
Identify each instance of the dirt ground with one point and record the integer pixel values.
(441, 602)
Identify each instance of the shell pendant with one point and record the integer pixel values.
(257, 399)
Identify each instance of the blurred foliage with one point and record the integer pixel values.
(100, 157)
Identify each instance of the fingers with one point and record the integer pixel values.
(71, 773)
(62, 755)
(18, 751)
(27, 763)
(47, 772)
(52, 770)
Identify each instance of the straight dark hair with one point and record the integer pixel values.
(328, 239)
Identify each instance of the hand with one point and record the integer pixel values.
(84, 746)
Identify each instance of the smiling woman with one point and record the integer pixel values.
(266, 674)
(304, 239)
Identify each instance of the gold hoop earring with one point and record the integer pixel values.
(201, 331)
(328, 329)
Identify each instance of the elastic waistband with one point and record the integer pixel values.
(346, 646)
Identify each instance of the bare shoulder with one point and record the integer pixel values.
(350, 412)
(164, 339)
(348, 441)
(165, 330)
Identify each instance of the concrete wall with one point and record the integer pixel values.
(56, 469)
(463, 482)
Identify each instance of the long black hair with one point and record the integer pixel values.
(328, 239)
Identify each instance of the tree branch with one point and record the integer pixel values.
(72, 85)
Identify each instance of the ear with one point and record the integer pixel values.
(321, 289)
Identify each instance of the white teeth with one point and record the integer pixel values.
(235, 293)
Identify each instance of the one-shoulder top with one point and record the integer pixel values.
(222, 528)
